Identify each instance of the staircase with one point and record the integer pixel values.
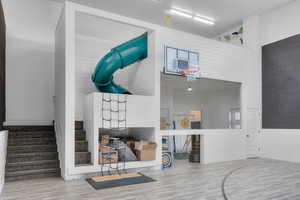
(31, 153)
(82, 154)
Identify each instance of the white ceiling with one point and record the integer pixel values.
(180, 84)
(228, 13)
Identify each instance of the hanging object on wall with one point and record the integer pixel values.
(118, 58)
(166, 160)
(235, 36)
(180, 61)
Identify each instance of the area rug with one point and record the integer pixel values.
(105, 182)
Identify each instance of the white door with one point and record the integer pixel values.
(252, 134)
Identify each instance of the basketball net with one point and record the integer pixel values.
(190, 75)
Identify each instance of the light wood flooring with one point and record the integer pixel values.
(258, 179)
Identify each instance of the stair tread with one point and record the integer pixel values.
(82, 152)
(30, 139)
(29, 128)
(29, 172)
(34, 132)
(31, 154)
(81, 141)
(32, 162)
(32, 145)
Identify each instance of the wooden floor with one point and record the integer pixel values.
(258, 179)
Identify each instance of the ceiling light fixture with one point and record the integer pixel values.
(189, 89)
(176, 12)
(205, 17)
(205, 21)
(181, 9)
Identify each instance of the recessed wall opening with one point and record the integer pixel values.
(95, 37)
(215, 104)
(197, 104)
(127, 144)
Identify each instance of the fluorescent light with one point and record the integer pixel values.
(205, 21)
(205, 17)
(176, 12)
(181, 9)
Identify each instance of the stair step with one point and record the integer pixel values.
(29, 128)
(31, 134)
(33, 165)
(81, 146)
(78, 125)
(27, 157)
(30, 174)
(79, 137)
(82, 158)
(30, 141)
(31, 149)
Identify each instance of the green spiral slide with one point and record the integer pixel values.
(118, 58)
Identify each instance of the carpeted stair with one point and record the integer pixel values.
(82, 154)
(31, 153)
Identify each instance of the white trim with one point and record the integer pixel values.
(28, 123)
(3, 147)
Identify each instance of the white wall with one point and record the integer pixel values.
(30, 60)
(60, 92)
(276, 25)
(221, 146)
(3, 146)
(217, 60)
(280, 23)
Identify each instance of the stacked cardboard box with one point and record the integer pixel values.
(145, 151)
(107, 154)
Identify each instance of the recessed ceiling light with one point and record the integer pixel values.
(205, 21)
(176, 12)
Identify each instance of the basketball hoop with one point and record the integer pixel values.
(190, 75)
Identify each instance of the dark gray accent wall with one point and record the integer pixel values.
(2, 65)
(281, 84)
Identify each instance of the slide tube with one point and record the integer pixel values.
(118, 58)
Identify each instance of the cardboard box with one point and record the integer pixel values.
(143, 145)
(145, 155)
(145, 151)
(131, 144)
(107, 155)
(104, 140)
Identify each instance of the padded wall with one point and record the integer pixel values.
(281, 84)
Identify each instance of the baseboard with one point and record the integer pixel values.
(28, 123)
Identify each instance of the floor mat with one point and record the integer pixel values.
(104, 182)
